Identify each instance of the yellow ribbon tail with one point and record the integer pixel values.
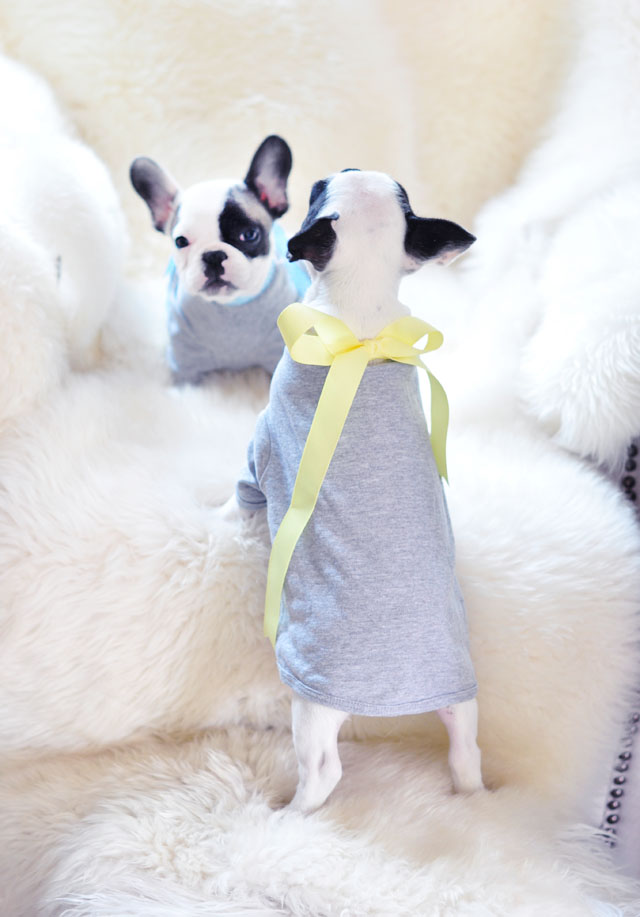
(439, 424)
(333, 408)
(287, 536)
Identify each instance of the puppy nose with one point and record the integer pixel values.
(213, 260)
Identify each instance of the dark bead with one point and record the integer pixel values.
(617, 793)
(614, 804)
(635, 718)
(621, 768)
(625, 756)
(632, 451)
(630, 465)
(628, 482)
(613, 819)
(619, 780)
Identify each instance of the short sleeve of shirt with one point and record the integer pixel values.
(248, 491)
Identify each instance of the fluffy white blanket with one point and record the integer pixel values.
(144, 738)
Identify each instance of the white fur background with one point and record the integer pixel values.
(143, 731)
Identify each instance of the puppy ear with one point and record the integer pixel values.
(156, 188)
(439, 240)
(315, 242)
(268, 174)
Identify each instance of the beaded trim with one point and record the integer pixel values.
(620, 773)
(613, 807)
(629, 480)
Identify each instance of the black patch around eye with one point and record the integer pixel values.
(234, 222)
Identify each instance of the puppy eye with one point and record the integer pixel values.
(181, 241)
(250, 235)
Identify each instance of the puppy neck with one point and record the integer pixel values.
(365, 301)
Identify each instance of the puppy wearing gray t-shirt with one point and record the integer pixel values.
(372, 620)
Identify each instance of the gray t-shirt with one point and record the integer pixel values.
(206, 336)
(372, 618)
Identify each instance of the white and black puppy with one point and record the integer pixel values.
(228, 277)
(372, 619)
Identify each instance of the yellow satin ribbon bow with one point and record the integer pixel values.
(334, 345)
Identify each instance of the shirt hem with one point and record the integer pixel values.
(362, 708)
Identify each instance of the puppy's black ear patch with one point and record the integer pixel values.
(156, 188)
(315, 242)
(317, 189)
(268, 174)
(440, 240)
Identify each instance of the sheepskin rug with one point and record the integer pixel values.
(145, 749)
(551, 289)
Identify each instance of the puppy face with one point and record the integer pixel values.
(221, 239)
(356, 215)
(220, 230)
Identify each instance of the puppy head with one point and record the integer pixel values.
(221, 230)
(357, 217)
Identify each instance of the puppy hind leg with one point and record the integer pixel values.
(461, 721)
(315, 739)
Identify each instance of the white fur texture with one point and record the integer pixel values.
(190, 829)
(130, 605)
(31, 343)
(553, 281)
(448, 99)
(56, 191)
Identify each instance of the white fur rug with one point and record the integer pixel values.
(551, 289)
(144, 739)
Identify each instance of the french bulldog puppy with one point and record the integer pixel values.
(372, 620)
(228, 277)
